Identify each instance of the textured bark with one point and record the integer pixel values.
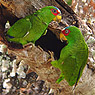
(13, 9)
(38, 59)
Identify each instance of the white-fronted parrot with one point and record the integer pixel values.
(32, 27)
(73, 56)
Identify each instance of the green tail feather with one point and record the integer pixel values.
(56, 64)
(61, 78)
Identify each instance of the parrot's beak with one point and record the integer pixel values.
(58, 18)
(62, 37)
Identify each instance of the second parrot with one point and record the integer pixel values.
(73, 57)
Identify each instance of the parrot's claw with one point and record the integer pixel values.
(28, 44)
(51, 55)
(40, 48)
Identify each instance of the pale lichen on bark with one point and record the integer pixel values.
(38, 59)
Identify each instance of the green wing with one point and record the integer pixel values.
(71, 70)
(20, 28)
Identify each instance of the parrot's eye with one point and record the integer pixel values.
(55, 12)
(66, 32)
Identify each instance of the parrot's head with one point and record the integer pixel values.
(71, 34)
(50, 13)
(57, 13)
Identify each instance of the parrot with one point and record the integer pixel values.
(73, 57)
(32, 27)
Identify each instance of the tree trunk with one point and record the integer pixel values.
(37, 58)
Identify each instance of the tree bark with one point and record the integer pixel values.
(38, 59)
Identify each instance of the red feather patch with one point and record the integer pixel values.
(66, 32)
(55, 12)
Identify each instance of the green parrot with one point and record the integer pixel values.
(73, 56)
(32, 27)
